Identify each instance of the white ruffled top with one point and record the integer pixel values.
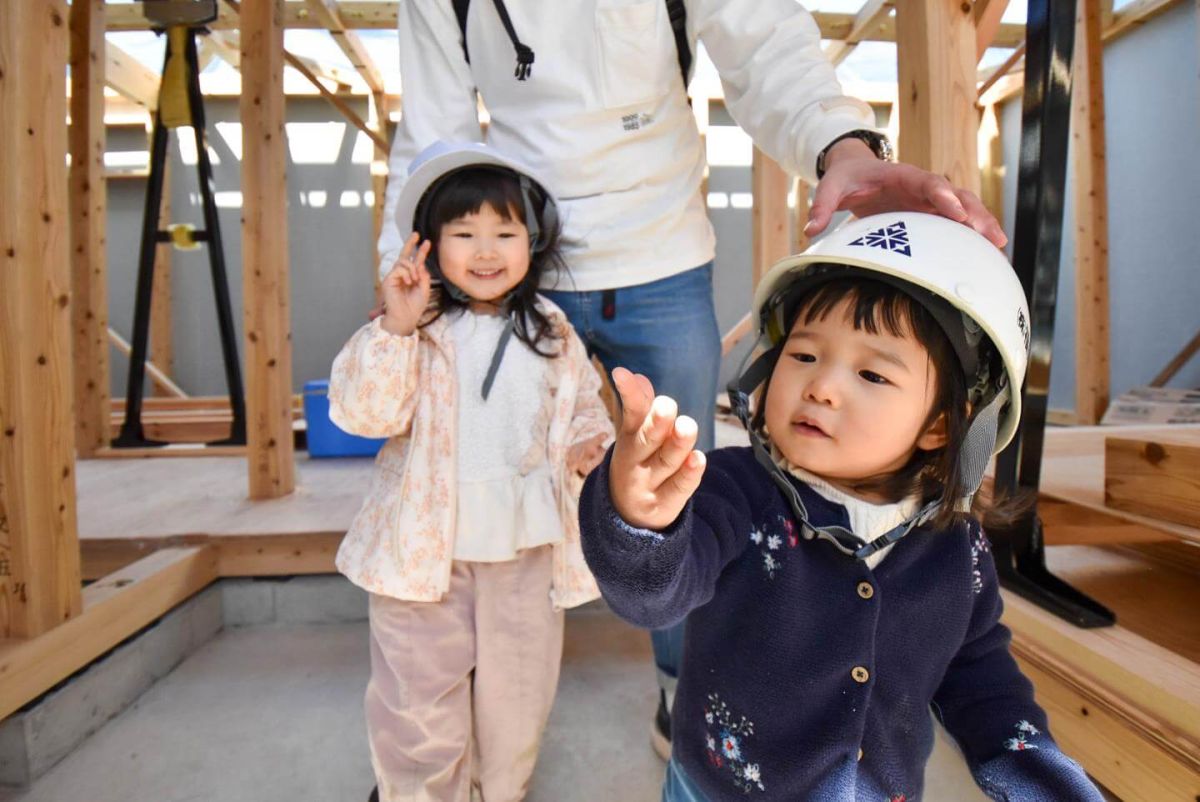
(506, 500)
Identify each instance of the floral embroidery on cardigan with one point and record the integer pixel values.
(770, 544)
(979, 547)
(1021, 743)
(725, 749)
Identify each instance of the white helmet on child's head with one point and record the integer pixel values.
(950, 266)
(441, 159)
(968, 287)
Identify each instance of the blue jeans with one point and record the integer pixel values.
(667, 330)
(677, 787)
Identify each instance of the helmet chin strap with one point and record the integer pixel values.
(976, 454)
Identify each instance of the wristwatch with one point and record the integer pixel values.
(878, 143)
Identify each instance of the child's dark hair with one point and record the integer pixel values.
(465, 192)
(877, 307)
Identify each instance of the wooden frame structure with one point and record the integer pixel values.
(53, 332)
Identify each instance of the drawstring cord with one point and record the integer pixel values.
(524, 52)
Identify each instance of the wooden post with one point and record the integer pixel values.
(935, 53)
(379, 162)
(265, 253)
(991, 163)
(39, 546)
(162, 351)
(1091, 217)
(798, 239)
(769, 219)
(89, 206)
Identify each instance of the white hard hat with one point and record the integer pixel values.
(949, 260)
(441, 159)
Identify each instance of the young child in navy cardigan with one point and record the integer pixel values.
(835, 584)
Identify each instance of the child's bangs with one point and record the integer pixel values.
(473, 187)
(875, 307)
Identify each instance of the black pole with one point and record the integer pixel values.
(1020, 551)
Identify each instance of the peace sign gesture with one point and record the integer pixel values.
(406, 288)
(654, 469)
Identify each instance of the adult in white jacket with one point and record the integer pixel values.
(601, 113)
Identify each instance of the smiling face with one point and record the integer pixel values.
(850, 403)
(484, 253)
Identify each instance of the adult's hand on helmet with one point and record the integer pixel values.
(655, 468)
(856, 181)
(406, 288)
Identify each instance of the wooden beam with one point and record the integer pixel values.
(162, 352)
(1180, 359)
(88, 203)
(798, 241)
(126, 76)
(1157, 478)
(39, 546)
(113, 609)
(870, 16)
(227, 44)
(769, 218)
(266, 295)
(1089, 153)
(156, 374)
(1003, 69)
(1004, 90)
(381, 16)
(991, 163)
(339, 104)
(936, 71)
(379, 173)
(326, 12)
(1135, 15)
(987, 23)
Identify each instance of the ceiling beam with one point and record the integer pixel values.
(378, 15)
(987, 22)
(326, 12)
(129, 77)
(871, 15)
(1136, 14)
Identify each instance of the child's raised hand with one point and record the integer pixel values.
(406, 288)
(585, 455)
(654, 468)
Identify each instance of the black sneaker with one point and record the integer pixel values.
(374, 797)
(660, 729)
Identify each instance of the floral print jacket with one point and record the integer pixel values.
(404, 388)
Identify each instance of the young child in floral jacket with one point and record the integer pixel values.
(468, 539)
(835, 587)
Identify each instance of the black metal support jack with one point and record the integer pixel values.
(1020, 552)
(180, 38)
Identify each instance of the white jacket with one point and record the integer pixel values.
(604, 119)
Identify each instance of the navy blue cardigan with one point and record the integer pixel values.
(807, 675)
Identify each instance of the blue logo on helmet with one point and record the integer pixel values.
(890, 238)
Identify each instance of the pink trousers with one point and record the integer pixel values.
(460, 689)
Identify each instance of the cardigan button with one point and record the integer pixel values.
(860, 753)
(860, 674)
(866, 590)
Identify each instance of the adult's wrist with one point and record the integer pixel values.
(860, 143)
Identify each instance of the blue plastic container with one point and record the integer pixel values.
(325, 439)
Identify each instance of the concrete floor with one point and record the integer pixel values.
(273, 714)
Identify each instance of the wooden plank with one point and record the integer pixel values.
(1073, 471)
(870, 16)
(162, 352)
(798, 240)
(88, 202)
(380, 15)
(1163, 687)
(285, 554)
(173, 450)
(1113, 750)
(769, 218)
(1091, 217)
(991, 163)
(113, 609)
(379, 175)
(1067, 524)
(157, 374)
(39, 550)
(327, 15)
(936, 71)
(1178, 361)
(1157, 478)
(1135, 15)
(1003, 69)
(128, 77)
(987, 22)
(266, 295)
(339, 104)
